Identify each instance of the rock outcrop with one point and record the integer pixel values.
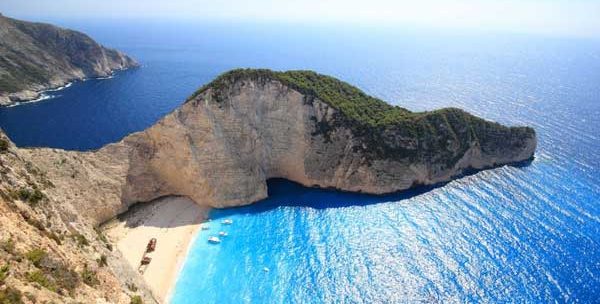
(220, 147)
(37, 56)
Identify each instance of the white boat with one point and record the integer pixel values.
(205, 227)
(266, 269)
(227, 222)
(214, 240)
(222, 233)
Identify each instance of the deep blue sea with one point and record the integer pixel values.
(524, 234)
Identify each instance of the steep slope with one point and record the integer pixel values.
(247, 126)
(38, 56)
(50, 252)
(219, 148)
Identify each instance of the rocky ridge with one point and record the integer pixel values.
(36, 56)
(220, 147)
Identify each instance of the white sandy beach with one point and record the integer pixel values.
(174, 222)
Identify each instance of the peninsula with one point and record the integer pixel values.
(36, 56)
(217, 150)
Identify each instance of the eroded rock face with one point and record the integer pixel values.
(220, 153)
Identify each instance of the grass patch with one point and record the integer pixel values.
(4, 272)
(89, 277)
(80, 240)
(136, 300)
(41, 279)
(36, 256)
(10, 296)
(3, 145)
(31, 196)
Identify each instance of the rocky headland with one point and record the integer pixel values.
(221, 146)
(36, 56)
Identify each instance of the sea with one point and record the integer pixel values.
(527, 233)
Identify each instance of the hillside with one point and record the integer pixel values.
(38, 56)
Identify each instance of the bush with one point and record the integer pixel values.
(136, 300)
(89, 277)
(3, 145)
(40, 278)
(4, 272)
(80, 239)
(32, 197)
(8, 246)
(36, 256)
(102, 261)
(10, 296)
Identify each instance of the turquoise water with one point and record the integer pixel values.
(528, 233)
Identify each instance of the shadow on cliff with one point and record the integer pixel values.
(283, 192)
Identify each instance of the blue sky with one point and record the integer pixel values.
(550, 17)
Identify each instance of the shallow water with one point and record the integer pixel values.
(517, 234)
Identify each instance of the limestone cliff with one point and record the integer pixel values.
(37, 56)
(219, 148)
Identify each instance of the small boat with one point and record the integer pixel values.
(227, 222)
(222, 233)
(151, 245)
(266, 269)
(146, 260)
(214, 240)
(205, 227)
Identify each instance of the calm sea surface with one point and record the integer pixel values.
(513, 234)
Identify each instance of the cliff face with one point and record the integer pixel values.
(219, 148)
(37, 56)
(222, 145)
(50, 251)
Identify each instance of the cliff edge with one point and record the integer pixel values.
(247, 126)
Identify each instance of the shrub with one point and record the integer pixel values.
(40, 278)
(89, 277)
(4, 272)
(32, 197)
(80, 239)
(36, 256)
(136, 300)
(102, 261)
(10, 296)
(8, 246)
(3, 145)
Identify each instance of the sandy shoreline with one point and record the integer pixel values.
(174, 222)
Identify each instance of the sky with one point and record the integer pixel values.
(549, 17)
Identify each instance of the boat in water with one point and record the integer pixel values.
(222, 233)
(227, 222)
(214, 240)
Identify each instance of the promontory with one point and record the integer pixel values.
(218, 149)
(36, 56)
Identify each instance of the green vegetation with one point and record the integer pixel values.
(51, 274)
(36, 256)
(350, 100)
(40, 278)
(31, 196)
(102, 261)
(4, 272)
(89, 277)
(3, 145)
(8, 246)
(136, 300)
(80, 239)
(10, 296)
(388, 132)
